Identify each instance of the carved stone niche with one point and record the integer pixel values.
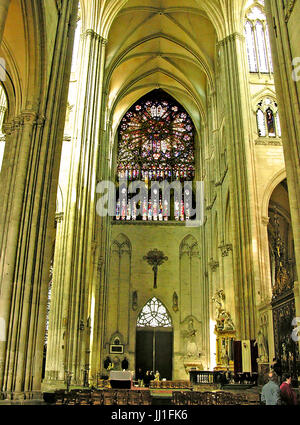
(191, 337)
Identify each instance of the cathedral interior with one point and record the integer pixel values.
(150, 201)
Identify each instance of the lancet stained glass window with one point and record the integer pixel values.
(268, 122)
(257, 40)
(154, 315)
(156, 140)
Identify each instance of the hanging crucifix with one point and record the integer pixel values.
(155, 258)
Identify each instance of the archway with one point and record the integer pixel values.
(283, 276)
(154, 340)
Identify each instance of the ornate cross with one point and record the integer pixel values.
(155, 258)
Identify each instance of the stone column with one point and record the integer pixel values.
(55, 340)
(28, 223)
(266, 284)
(74, 272)
(231, 50)
(285, 43)
(4, 5)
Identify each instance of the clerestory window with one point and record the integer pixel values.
(258, 40)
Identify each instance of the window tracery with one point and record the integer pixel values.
(156, 144)
(258, 41)
(268, 121)
(154, 315)
(156, 141)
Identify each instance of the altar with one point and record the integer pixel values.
(119, 379)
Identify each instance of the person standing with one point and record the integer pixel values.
(140, 377)
(288, 395)
(270, 394)
(147, 379)
(277, 367)
(157, 376)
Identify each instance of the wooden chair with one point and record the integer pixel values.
(71, 397)
(185, 397)
(122, 397)
(208, 398)
(97, 398)
(146, 397)
(197, 398)
(60, 396)
(109, 397)
(224, 398)
(240, 399)
(84, 397)
(135, 398)
(175, 397)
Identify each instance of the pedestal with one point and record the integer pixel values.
(224, 347)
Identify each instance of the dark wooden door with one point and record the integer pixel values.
(154, 350)
(144, 351)
(163, 353)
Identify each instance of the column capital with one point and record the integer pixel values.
(213, 264)
(265, 220)
(26, 117)
(7, 129)
(90, 33)
(225, 249)
(59, 217)
(231, 37)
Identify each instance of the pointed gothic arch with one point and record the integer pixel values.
(154, 340)
(119, 288)
(190, 293)
(154, 314)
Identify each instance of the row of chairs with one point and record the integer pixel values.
(208, 398)
(103, 383)
(103, 397)
(171, 384)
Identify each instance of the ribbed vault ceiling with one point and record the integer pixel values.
(168, 44)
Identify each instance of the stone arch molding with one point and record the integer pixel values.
(119, 289)
(261, 95)
(121, 245)
(190, 294)
(273, 183)
(189, 246)
(165, 314)
(116, 336)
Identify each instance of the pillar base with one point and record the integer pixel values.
(21, 397)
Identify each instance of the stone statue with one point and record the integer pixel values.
(228, 323)
(262, 347)
(175, 302)
(224, 356)
(223, 317)
(219, 299)
(134, 301)
(190, 335)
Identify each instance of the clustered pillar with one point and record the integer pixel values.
(231, 50)
(70, 317)
(27, 221)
